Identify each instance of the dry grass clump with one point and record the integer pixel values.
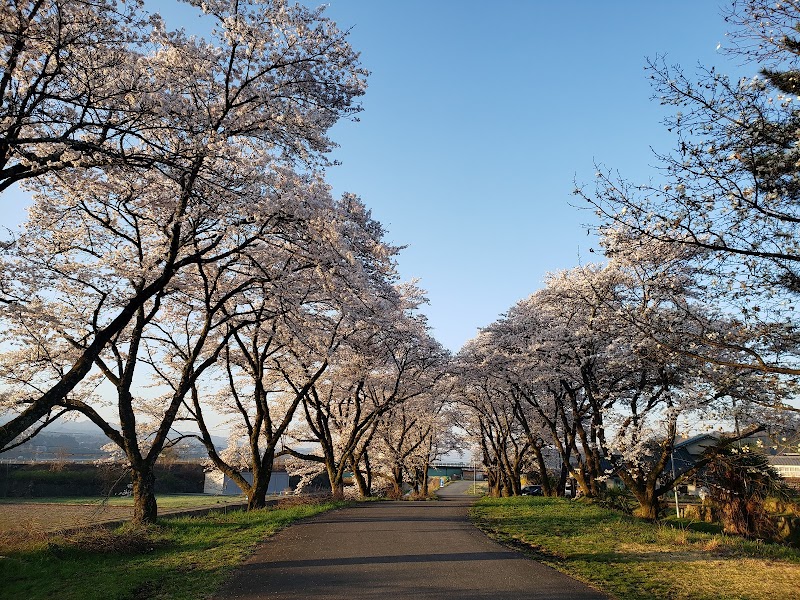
(129, 539)
(292, 501)
(780, 506)
(421, 496)
(713, 544)
(21, 540)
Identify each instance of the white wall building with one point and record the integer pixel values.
(219, 484)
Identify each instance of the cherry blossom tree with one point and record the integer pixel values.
(263, 90)
(391, 360)
(410, 437)
(257, 403)
(108, 248)
(415, 367)
(92, 83)
(491, 417)
(292, 329)
(728, 192)
(579, 361)
(72, 88)
(538, 358)
(182, 341)
(146, 423)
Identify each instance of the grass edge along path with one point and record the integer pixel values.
(184, 558)
(628, 558)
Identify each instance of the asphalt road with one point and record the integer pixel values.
(391, 550)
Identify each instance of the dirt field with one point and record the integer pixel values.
(21, 522)
(39, 518)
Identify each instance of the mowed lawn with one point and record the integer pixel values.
(48, 514)
(631, 559)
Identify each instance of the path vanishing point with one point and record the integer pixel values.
(393, 550)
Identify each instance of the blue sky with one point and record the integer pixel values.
(479, 116)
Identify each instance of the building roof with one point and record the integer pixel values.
(703, 437)
(789, 460)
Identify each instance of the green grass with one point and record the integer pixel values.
(165, 501)
(181, 558)
(631, 559)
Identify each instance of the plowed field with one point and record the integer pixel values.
(38, 518)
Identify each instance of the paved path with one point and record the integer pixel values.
(391, 550)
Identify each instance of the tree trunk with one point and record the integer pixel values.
(424, 480)
(397, 481)
(145, 509)
(544, 479)
(335, 479)
(257, 494)
(368, 471)
(579, 475)
(361, 482)
(515, 478)
(364, 490)
(645, 494)
(496, 485)
(495, 481)
(506, 482)
(562, 480)
(648, 507)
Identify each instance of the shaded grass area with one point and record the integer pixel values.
(182, 558)
(632, 559)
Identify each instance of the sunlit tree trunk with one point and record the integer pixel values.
(145, 509)
(358, 475)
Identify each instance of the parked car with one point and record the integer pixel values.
(531, 490)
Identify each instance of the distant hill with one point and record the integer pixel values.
(82, 441)
(72, 427)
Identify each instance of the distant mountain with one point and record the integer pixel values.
(80, 427)
(65, 426)
(81, 441)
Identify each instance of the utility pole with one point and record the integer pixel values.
(675, 487)
(474, 477)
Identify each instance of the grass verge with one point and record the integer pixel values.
(631, 559)
(478, 489)
(182, 558)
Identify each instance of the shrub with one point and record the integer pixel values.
(618, 498)
(741, 481)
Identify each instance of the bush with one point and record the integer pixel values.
(50, 477)
(106, 479)
(618, 498)
(741, 480)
